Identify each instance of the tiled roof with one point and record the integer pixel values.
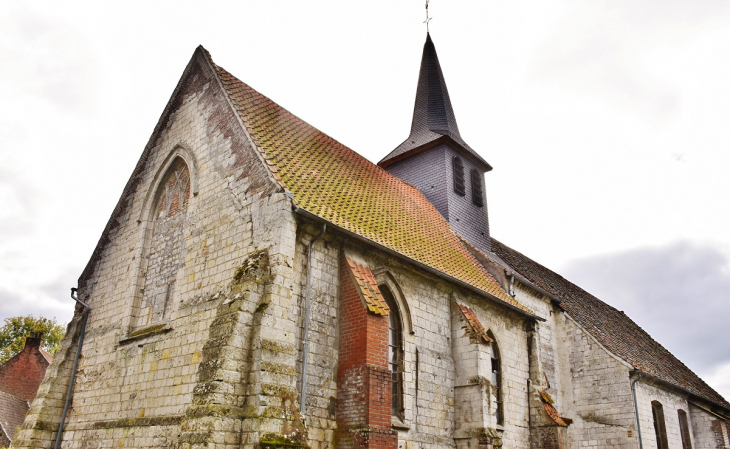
(331, 181)
(473, 326)
(433, 115)
(368, 288)
(554, 414)
(12, 413)
(611, 327)
(47, 356)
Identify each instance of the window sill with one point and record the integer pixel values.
(397, 424)
(147, 331)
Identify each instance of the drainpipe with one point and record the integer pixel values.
(87, 309)
(511, 284)
(636, 408)
(303, 397)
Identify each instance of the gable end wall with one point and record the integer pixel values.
(138, 390)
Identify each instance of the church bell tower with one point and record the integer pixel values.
(436, 160)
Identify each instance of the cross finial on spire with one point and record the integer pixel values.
(428, 19)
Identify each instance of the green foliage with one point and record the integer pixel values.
(16, 329)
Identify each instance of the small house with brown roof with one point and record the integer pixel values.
(261, 285)
(20, 378)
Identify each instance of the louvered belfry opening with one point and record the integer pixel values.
(459, 185)
(476, 188)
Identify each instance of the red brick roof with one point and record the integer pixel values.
(368, 288)
(611, 327)
(47, 356)
(331, 181)
(12, 414)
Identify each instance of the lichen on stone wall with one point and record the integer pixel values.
(254, 269)
(274, 440)
(482, 381)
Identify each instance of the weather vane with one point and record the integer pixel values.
(428, 19)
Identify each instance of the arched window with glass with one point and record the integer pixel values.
(395, 352)
(496, 367)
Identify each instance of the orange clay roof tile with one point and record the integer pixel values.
(368, 288)
(554, 415)
(333, 182)
(473, 326)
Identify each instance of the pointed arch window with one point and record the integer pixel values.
(459, 183)
(174, 192)
(166, 244)
(497, 378)
(395, 353)
(477, 196)
(660, 428)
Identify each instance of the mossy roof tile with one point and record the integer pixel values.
(335, 183)
(472, 325)
(368, 288)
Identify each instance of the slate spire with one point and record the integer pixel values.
(433, 116)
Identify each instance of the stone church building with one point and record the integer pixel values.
(260, 285)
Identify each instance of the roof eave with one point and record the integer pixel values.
(518, 277)
(690, 394)
(441, 274)
(484, 165)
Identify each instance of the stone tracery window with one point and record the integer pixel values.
(165, 253)
(174, 192)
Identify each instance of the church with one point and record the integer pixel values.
(260, 285)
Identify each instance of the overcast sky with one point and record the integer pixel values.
(607, 123)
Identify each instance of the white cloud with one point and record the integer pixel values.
(719, 378)
(46, 58)
(678, 293)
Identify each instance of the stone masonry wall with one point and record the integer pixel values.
(424, 304)
(221, 370)
(593, 388)
(671, 403)
(546, 371)
(323, 330)
(600, 401)
(509, 333)
(429, 370)
(708, 432)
